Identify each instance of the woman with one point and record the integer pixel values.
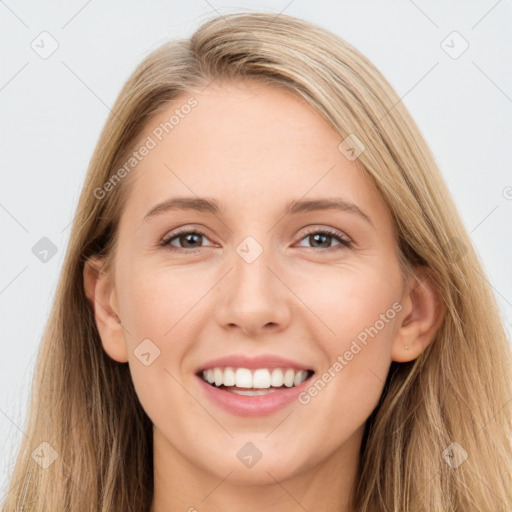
(259, 370)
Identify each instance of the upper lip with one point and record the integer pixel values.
(255, 362)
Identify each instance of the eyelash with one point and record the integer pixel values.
(344, 243)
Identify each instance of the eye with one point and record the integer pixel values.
(190, 238)
(325, 236)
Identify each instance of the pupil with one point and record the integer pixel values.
(320, 235)
(189, 237)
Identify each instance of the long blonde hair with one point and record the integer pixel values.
(450, 404)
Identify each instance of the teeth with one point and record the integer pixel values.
(259, 379)
(217, 372)
(228, 378)
(253, 392)
(300, 377)
(288, 378)
(277, 377)
(243, 378)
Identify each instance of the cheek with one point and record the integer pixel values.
(155, 307)
(351, 301)
(361, 311)
(158, 302)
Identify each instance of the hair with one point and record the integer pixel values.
(83, 403)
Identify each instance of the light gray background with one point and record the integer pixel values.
(52, 111)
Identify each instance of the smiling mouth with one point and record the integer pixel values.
(262, 381)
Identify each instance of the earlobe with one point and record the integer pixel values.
(422, 315)
(100, 291)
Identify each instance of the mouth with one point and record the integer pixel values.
(254, 382)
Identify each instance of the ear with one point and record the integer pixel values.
(100, 291)
(422, 315)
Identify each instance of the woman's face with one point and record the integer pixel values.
(254, 285)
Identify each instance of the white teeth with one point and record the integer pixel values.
(288, 378)
(260, 379)
(217, 372)
(243, 378)
(300, 377)
(228, 377)
(252, 392)
(277, 378)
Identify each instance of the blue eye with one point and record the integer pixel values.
(316, 236)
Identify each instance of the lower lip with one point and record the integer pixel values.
(242, 405)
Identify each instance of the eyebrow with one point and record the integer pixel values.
(208, 205)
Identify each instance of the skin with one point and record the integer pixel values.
(254, 148)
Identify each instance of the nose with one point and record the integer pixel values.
(253, 297)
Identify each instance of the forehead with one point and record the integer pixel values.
(244, 141)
